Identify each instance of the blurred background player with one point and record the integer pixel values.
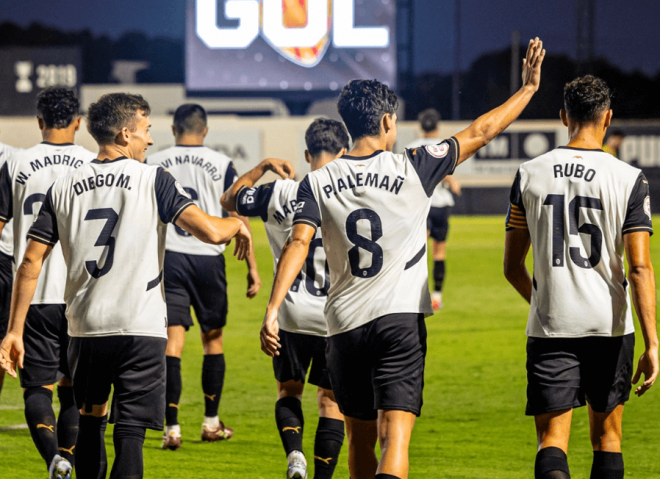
(580, 329)
(372, 205)
(111, 217)
(24, 180)
(195, 272)
(613, 143)
(303, 328)
(441, 203)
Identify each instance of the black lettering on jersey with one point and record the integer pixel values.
(208, 167)
(47, 161)
(122, 181)
(358, 179)
(287, 210)
(573, 170)
(100, 181)
(279, 217)
(340, 185)
(385, 183)
(327, 189)
(21, 178)
(351, 182)
(372, 180)
(167, 163)
(36, 164)
(396, 186)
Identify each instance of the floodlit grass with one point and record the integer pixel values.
(472, 424)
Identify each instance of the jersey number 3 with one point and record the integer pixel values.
(104, 239)
(366, 244)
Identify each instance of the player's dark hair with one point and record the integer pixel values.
(362, 105)
(189, 118)
(429, 119)
(325, 135)
(113, 112)
(57, 107)
(585, 98)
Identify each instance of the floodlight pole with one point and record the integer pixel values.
(456, 78)
(515, 61)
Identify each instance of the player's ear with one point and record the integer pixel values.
(563, 114)
(342, 152)
(205, 132)
(387, 123)
(77, 122)
(122, 137)
(42, 125)
(308, 157)
(608, 118)
(173, 131)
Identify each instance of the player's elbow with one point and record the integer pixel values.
(512, 271)
(640, 273)
(227, 203)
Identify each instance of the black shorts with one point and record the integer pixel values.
(565, 373)
(198, 281)
(379, 365)
(298, 351)
(437, 223)
(45, 340)
(6, 281)
(133, 365)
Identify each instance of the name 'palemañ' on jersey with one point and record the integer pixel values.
(24, 181)
(578, 204)
(205, 175)
(302, 309)
(372, 212)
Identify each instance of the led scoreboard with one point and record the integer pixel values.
(288, 45)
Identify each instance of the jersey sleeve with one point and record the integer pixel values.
(638, 215)
(44, 229)
(253, 202)
(230, 176)
(6, 196)
(170, 196)
(434, 162)
(516, 219)
(307, 209)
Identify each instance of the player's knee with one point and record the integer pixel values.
(290, 389)
(97, 410)
(606, 441)
(328, 404)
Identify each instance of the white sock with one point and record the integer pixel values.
(176, 428)
(211, 421)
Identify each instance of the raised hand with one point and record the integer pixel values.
(531, 71)
(280, 167)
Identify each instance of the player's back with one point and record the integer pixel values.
(7, 237)
(204, 174)
(28, 174)
(578, 204)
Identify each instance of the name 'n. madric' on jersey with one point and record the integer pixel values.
(373, 213)
(24, 181)
(205, 175)
(275, 203)
(578, 204)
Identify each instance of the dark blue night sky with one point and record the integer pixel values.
(628, 36)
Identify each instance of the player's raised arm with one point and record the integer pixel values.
(491, 124)
(642, 286)
(281, 167)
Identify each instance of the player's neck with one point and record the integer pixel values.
(58, 136)
(588, 136)
(112, 152)
(431, 134)
(368, 145)
(189, 140)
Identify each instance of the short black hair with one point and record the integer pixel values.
(429, 119)
(585, 98)
(362, 105)
(57, 106)
(112, 112)
(325, 135)
(189, 118)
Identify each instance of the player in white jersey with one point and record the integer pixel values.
(110, 217)
(302, 325)
(372, 206)
(24, 180)
(195, 272)
(437, 224)
(580, 208)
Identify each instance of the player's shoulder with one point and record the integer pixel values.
(160, 155)
(285, 189)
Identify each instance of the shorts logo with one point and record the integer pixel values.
(299, 207)
(647, 206)
(248, 198)
(438, 151)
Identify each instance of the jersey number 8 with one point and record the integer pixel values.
(366, 244)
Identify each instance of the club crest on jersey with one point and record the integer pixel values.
(438, 151)
(180, 189)
(299, 207)
(647, 206)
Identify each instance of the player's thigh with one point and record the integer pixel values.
(398, 362)
(45, 342)
(91, 364)
(6, 281)
(208, 292)
(294, 359)
(554, 381)
(177, 281)
(318, 371)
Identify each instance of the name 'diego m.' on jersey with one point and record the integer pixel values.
(24, 181)
(578, 205)
(373, 212)
(110, 218)
(275, 203)
(204, 174)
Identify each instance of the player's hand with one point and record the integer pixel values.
(243, 243)
(280, 167)
(270, 335)
(648, 365)
(531, 70)
(12, 353)
(254, 283)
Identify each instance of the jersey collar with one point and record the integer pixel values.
(357, 158)
(581, 149)
(189, 146)
(56, 144)
(108, 160)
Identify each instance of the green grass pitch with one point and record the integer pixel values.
(472, 423)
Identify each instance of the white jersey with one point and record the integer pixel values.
(442, 196)
(24, 181)
(7, 237)
(111, 219)
(275, 203)
(578, 204)
(373, 212)
(204, 174)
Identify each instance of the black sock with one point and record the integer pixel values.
(40, 419)
(67, 423)
(386, 476)
(91, 460)
(128, 452)
(290, 422)
(173, 390)
(607, 465)
(551, 463)
(438, 274)
(327, 444)
(213, 379)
